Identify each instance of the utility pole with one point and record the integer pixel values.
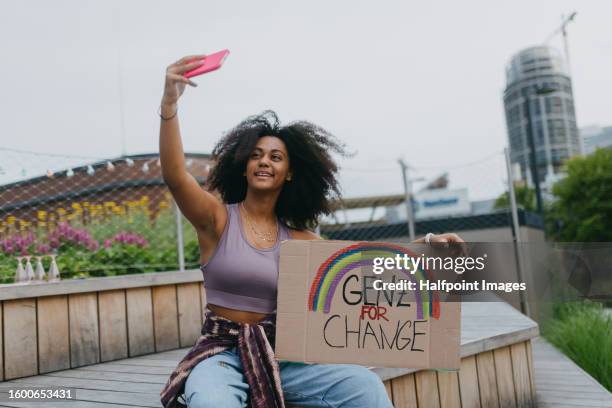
(408, 194)
(518, 249)
(535, 177)
(512, 196)
(117, 29)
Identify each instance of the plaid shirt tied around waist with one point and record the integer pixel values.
(256, 355)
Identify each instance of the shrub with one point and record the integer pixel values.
(583, 332)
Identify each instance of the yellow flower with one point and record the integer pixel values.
(42, 214)
(10, 220)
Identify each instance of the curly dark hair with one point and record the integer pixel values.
(314, 172)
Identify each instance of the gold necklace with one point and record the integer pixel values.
(266, 236)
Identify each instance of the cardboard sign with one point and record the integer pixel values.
(328, 311)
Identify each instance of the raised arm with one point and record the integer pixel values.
(200, 207)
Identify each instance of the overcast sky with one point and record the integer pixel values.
(390, 78)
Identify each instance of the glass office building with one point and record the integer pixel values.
(594, 137)
(539, 93)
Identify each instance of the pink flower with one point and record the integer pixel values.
(129, 238)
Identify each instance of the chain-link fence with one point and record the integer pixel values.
(108, 217)
(86, 217)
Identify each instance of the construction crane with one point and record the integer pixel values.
(563, 30)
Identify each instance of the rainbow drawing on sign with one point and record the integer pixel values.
(334, 268)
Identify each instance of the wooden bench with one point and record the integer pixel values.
(116, 340)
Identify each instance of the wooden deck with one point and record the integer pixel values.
(562, 384)
(137, 381)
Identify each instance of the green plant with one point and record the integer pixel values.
(582, 211)
(583, 332)
(117, 244)
(525, 198)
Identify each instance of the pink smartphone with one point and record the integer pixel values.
(212, 62)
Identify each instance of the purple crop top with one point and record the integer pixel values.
(239, 275)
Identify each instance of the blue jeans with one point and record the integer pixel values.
(218, 382)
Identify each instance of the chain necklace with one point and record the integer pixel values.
(266, 236)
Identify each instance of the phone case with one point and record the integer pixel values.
(212, 62)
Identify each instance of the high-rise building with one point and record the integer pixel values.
(539, 94)
(594, 137)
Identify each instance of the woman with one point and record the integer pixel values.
(275, 182)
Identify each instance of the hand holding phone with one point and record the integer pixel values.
(211, 63)
(178, 74)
